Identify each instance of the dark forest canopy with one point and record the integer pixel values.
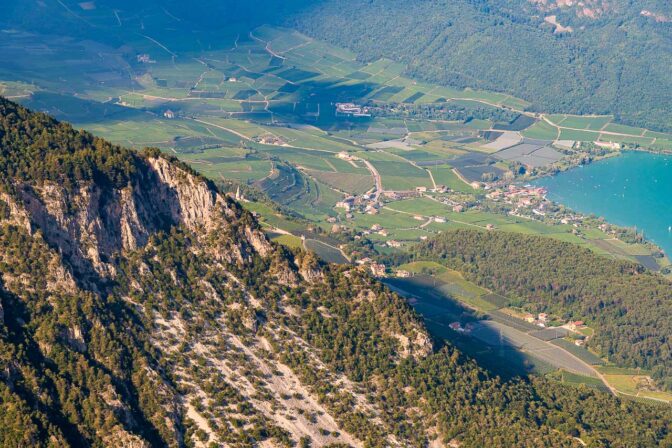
(631, 310)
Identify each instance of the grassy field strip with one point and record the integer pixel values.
(593, 128)
(429, 173)
(243, 136)
(425, 216)
(573, 379)
(633, 383)
(325, 251)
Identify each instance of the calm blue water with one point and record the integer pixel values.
(632, 190)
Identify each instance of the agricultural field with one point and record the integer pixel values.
(291, 241)
(623, 129)
(325, 251)
(351, 183)
(259, 107)
(635, 384)
(592, 123)
(420, 213)
(439, 310)
(419, 206)
(497, 334)
(595, 128)
(542, 131)
(628, 140)
(423, 267)
(444, 175)
(579, 352)
(453, 284)
(397, 173)
(531, 153)
(578, 135)
(503, 331)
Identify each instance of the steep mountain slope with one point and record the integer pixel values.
(141, 307)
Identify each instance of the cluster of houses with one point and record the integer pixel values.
(576, 325)
(540, 320)
(417, 192)
(270, 139)
(533, 199)
(571, 219)
(398, 195)
(523, 197)
(457, 326)
(376, 228)
(145, 59)
(365, 203)
(380, 230)
(438, 189)
(352, 109)
(377, 269)
(369, 202)
(526, 195)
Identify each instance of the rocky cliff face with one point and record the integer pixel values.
(91, 225)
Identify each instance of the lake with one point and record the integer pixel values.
(632, 190)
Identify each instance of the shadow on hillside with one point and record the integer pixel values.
(439, 310)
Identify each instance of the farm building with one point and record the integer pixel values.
(378, 269)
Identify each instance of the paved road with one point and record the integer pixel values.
(376, 176)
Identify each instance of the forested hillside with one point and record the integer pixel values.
(605, 57)
(631, 310)
(141, 307)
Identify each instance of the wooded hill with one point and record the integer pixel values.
(629, 308)
(141, 307)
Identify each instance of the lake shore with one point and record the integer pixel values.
(634, 175)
